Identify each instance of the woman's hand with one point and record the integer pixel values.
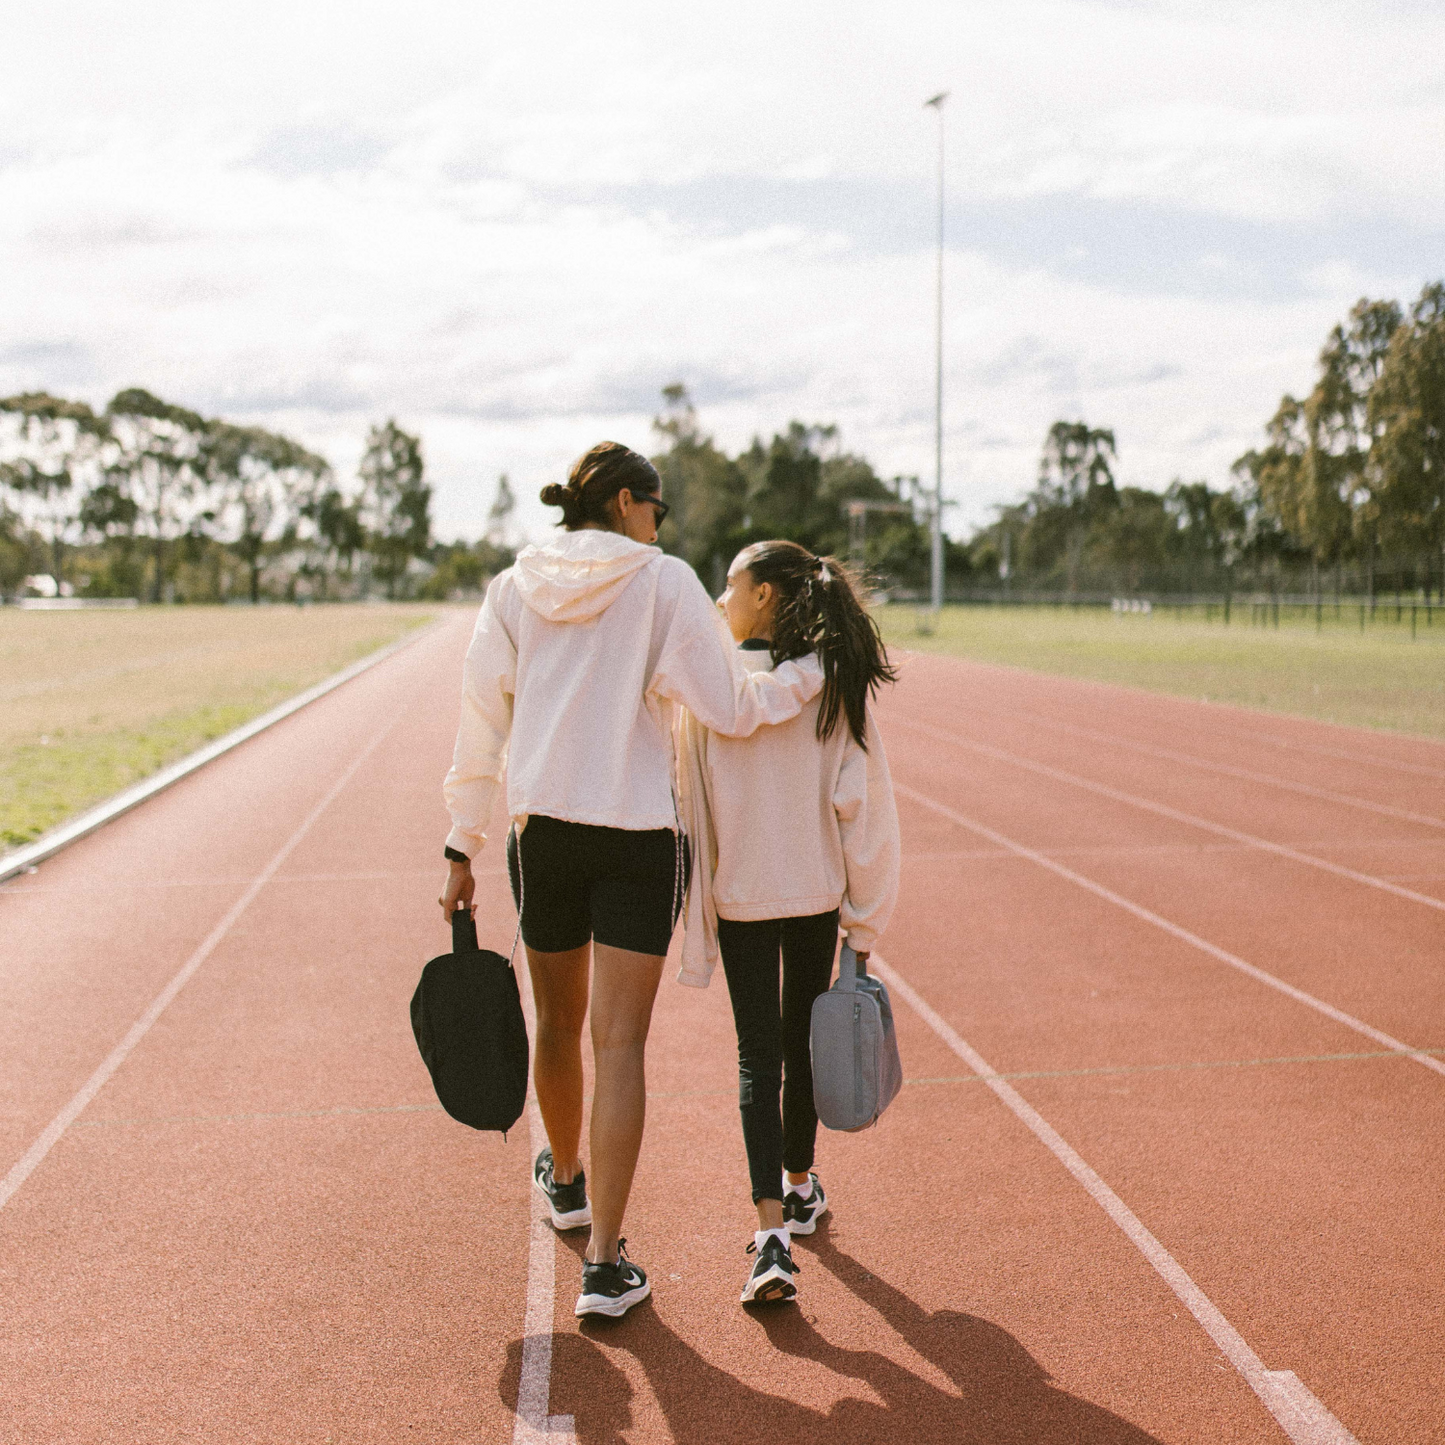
(458, 891)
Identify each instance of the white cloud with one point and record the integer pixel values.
(509, 226)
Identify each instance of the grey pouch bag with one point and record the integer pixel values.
(856, 1068)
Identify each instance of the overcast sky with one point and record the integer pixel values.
(510, 226)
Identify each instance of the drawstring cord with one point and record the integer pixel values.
(521, 893)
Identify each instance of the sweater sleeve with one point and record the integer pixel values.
(699, 668)
(489, 682)
(868, 825)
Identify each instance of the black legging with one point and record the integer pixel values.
(773, 1037)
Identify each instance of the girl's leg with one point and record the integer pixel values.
(808, 948)
(559, 989)
(750, 961)
(624, 985)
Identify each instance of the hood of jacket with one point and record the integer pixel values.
(578, 574)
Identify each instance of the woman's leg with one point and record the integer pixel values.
(808, 948)
(624, 985)
(750, 961)
(559, 990)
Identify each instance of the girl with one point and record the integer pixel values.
(580, 651)
(794, 832)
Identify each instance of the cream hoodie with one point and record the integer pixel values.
(783, 826)
(581, 651)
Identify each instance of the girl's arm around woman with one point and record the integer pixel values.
(698, 667)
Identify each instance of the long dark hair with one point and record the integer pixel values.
(819, 610)
(596, 478)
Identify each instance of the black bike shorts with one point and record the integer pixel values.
(573, 882)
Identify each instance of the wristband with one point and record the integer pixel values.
(452, 856)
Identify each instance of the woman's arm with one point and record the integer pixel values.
(868, 826)
(699, 668)
(489, 680)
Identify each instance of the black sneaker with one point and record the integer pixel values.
(802, 1215)
(568, 1202)
(771, 1281)
(611, 1289)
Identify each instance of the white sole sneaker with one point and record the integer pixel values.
(575, 1220)
(561, 1218)
(615, 1287)
(772, 1287)
(801, 1216)
(611, 1305)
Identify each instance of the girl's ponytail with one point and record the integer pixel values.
(819, 610)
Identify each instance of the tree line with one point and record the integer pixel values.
(1347, 493)
(800, 484)
(150, 499)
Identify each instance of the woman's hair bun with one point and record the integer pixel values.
(595, 479)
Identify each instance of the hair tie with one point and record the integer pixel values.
(824, 575)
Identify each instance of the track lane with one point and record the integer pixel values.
(1050, 974)
(263, 1228)
(1316, 933)
(300, 1269)
(1294, 1194)
(1387, 767)
(1152, 804)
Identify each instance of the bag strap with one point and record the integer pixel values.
(850, 970)
(464, 931)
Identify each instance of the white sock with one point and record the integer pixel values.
(805, 1190)
(763, 1235)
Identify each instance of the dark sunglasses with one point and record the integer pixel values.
(660, 508)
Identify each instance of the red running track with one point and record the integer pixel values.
(260, 1228)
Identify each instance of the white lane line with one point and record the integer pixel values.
(1248, 775)
(1173, 929)
(28, 1162)
(1300, 1415)
(1164, 811)
(534, 1389)
(1216, 712)
(1418, 768)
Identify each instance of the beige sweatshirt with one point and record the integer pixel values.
(582, 651)
(783, 826)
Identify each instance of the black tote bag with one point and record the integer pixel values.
(466, 1014)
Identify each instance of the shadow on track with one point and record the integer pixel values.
(1004, 1397)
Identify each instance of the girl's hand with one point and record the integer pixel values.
(861, 956)
(457, 893)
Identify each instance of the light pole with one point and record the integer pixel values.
(936, 554)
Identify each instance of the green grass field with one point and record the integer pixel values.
(1378, 678)
(91, 702)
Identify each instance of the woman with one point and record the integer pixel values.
(796, 832)
(581, 651)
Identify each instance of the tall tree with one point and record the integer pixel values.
(704, 489)
(154, 455)
(49, 455)
(264, 482)
(395, 502)
(1335, 475)
(1076, 483)
(333, 534)
(1407, 411)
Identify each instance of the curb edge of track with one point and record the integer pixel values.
(49, 844)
